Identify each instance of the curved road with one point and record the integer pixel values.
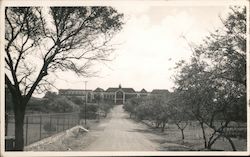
(121, 134)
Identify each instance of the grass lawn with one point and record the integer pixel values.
(193, 138)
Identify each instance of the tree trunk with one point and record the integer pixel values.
(211, 142)
(157, 124)
(19, 111)
(232, 144)
(6, 123)
(182, 134)
(204, 134)
(19, 122)
(163, 126)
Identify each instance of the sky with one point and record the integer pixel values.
(149, 45)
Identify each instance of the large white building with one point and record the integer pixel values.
(116, 95)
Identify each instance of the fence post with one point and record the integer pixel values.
(50, 123)
(71, 122)
(27, 123)
(68, 122)
(40, 127)
(63, 122)
(57, 124)
(75, 120)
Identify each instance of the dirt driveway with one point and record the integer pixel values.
(119, 133)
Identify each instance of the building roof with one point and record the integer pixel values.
(143, 91)
(160, 91)
(89, 90)
(80, 92)
(73, 91)
(126, 90)
(98, 90)
(112, 89)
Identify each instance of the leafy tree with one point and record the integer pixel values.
(98, 97)
(142, 111)
(76, 100)
(105, 107)
(38, 105)
(178, 114)
(59, 39)
(50, 95)
(159, 111)
(131, 105)
(213, 84)
(91, 111)
(152, 108)
(62, 104)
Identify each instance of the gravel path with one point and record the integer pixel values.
(119, 133)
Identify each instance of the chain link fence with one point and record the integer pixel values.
(39, 126)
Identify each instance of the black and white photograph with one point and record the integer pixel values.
(124, 78)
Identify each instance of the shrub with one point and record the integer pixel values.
(91, 111)
(105, 107)
(48, 127)
(62, 104)
(76, 100)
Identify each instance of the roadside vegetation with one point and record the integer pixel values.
(210, 87)
(53, 114)
(95, 111)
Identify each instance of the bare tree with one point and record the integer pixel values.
(39, 41)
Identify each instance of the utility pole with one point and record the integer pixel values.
(85, 104)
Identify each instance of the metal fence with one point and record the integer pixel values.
(39, 126)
